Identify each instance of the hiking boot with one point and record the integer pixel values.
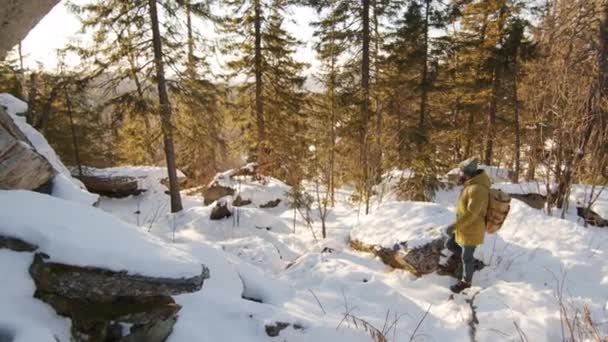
(460, 286)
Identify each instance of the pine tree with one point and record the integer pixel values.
(483, 35)
(359, 24)
(273, 87)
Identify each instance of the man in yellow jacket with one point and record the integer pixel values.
(469, 230)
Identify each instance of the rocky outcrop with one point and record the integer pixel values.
(17, 18)
(116, 186)
(419, 261)
(100, 302)
(105, 305)
(97, 283)
(22, 167)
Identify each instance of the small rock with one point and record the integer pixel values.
(239, 202)
(271, 204)
(220, 211)
(591, 217)
(16, 245)
(273, 330)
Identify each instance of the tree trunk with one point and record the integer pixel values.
(165, 106)
(378, 153)
(490, 129)
(425, 72)
(259, 99)
(365, 64)
(516, 121)
(191, 61)
(332, 143)
(31, 99)
(68, 103)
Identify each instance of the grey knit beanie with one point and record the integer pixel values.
(469, 167)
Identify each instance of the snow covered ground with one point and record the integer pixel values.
(540, 268)
(535, 263)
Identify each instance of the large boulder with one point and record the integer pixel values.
(101, 301)
(22, 167)
(17, 18)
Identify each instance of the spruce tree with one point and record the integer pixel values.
(273, 86)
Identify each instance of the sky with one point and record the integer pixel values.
(60, 26)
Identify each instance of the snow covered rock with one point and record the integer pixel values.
(215, 191)
(74, 273)
(271, 204)
(591, 217)
(60, 182)
(246, 183)
(101, 284)
(405, 235)
(22, 166)
(80, 235)
(116, 187)
(221, 210)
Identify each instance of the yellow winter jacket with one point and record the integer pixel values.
(471, 210)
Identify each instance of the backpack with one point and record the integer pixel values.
(498, 209)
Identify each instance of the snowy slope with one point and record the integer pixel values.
(392, 222)
(262, 272)
(22, 317)
(85, 236)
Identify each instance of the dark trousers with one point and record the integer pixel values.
(466, 254)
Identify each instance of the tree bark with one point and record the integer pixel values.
(259, 98)
(425, 72)
(365, 64)
(73, 130)
(490, 129)
(165, 106)
(516, 122)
